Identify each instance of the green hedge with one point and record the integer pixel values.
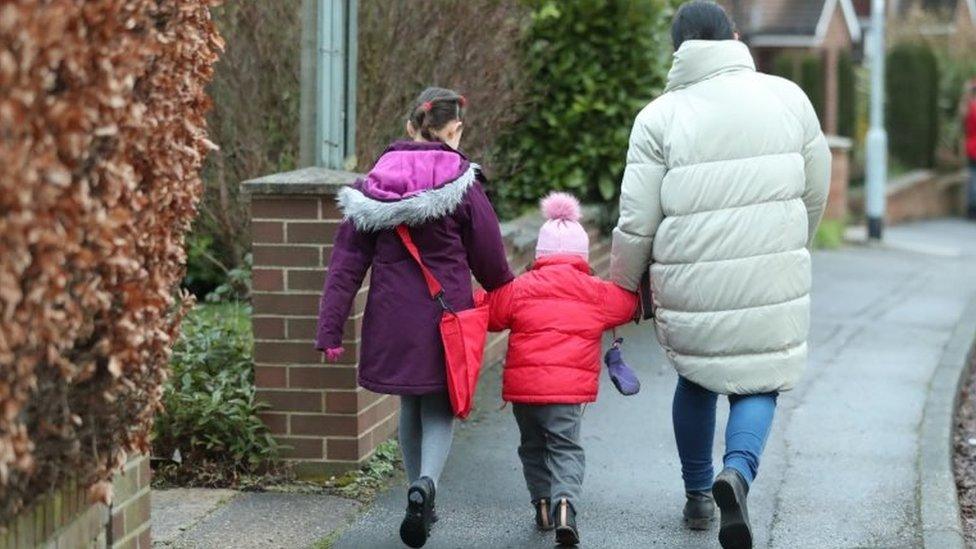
(590, 65)
(846, 96)
(913, 104)
(807, 70)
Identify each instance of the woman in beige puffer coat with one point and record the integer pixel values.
(726, 180)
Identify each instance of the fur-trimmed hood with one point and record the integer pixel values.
(411, 183)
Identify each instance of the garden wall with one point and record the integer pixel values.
(921, 194)
(64, 518)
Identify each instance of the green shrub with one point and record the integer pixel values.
(846, 96)
(204, 273)
(912, 75)
(830, 235)
(812, 82)
(210, 414)
(807, 70)
(591, 65)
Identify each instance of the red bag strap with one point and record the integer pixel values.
(435, 288)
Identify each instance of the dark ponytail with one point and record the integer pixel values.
(435, 108)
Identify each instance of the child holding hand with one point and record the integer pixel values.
(557, 313)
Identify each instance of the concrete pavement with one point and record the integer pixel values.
(840, 468)
(201, 518)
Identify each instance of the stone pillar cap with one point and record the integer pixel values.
(311, 181)
(839, 142)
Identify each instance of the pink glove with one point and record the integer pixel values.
(334, 354)
(480, 297)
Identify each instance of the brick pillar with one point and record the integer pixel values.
(832, 91)
(315, 408)
(840, 149)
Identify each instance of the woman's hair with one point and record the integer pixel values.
(701, 20)
(433, 109)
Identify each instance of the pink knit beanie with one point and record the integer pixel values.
(562, 233)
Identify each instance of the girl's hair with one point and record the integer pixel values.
(700, 20)
(434, 108)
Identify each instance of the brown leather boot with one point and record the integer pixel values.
(567, 533)
(543, 514)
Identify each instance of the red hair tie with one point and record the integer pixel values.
(463, 101)
(427, 106)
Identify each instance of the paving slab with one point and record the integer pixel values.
(264, 520)
(176, 510)
(840, 468)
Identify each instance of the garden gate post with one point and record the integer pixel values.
(316, 409)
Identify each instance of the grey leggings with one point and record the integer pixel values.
(426, 432)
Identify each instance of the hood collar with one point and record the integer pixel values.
(698, 60)
(411, 184)
(574, 261)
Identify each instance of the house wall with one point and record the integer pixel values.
(837, 40)
(965, 36)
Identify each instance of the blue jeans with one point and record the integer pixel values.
(693, 415)
(971, 194)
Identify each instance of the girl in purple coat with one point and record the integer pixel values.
(430, 186)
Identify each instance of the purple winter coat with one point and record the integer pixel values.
(437, 192)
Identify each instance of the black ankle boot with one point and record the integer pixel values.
(699, 510)
(565, 518)
(543, 514)
(420, 510)
(730, 491)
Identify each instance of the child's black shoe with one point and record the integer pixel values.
(730, 491)
(420, 510)
(543, 514)
(566, 531)
(699, 510)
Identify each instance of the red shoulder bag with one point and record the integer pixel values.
(463, 334)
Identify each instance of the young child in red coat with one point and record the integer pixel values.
(557, 313)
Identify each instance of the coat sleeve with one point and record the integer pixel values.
(501, 307)
(619, 305)
(352, 256)
(640, 207)
(816, 160)
(482, 239)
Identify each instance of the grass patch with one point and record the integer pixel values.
(328, 541)
(830, 235)
(362, 484)
(359, 484)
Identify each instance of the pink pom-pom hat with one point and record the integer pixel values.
(562, 233)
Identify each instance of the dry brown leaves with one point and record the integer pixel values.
(102, 135)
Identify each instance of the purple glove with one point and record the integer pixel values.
(622, 376)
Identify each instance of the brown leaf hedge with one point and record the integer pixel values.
(102, 135)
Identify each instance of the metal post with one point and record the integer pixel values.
(877, 139)
(329, 62)
(309, 84)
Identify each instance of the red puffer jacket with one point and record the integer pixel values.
(971, 131)
(557, 314)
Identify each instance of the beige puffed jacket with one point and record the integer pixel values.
(726, 180)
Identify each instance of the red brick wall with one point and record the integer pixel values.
(316, 409)
(65, 518)
(918, 195)
(839, 179)
(129, 525)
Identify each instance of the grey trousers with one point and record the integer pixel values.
(552, 458)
